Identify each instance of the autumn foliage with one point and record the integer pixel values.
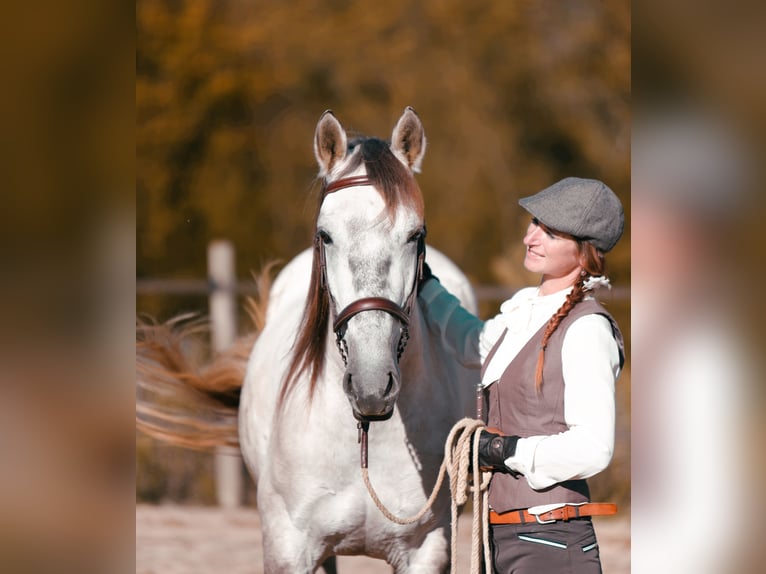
(513, 95)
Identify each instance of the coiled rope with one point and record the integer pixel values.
(456, 463)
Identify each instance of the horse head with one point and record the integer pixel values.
(369, 246)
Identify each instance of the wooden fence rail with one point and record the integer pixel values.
(202, 287)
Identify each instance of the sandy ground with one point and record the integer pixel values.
(197, 540)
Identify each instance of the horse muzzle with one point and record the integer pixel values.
(370, 400)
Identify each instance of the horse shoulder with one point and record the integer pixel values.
(270, 355)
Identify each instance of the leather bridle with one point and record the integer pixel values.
(369, 303)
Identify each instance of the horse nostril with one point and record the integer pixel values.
(390, 384)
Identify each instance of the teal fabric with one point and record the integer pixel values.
(457, 329)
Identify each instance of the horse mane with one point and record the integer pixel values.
(397, 186)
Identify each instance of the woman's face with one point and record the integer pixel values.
(556, 257)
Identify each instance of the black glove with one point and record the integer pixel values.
(494, 449)
(427, 274)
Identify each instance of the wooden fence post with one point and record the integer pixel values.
(222, 275)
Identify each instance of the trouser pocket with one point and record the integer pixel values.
(589, 547)
(562, 547)
(541, 540)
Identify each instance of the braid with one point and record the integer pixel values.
(594, 265)
(575, 296)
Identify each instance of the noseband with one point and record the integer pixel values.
(369, 303)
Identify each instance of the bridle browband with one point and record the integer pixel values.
(368, 303)
(345, 182)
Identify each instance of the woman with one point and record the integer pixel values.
(549, 362)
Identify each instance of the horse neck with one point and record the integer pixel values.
(418, 356)
(432, 375)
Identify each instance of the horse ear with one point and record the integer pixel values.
(329, 142)
(408, 142)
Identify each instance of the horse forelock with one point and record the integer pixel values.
(394, 181)
(397, 186)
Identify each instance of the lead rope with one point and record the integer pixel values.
(457, 451)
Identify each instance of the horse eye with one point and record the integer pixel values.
(325, 237)
(416, 236)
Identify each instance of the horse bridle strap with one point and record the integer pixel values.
(370, 304)
(353, 181)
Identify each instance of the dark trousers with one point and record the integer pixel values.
(557, 548)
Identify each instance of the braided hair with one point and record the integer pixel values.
(594, 265)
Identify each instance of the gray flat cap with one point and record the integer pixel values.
(585, 208)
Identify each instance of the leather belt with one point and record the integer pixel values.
(567, 512)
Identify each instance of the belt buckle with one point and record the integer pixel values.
(540, 521)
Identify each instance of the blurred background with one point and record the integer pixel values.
(67, 287)
(697, 263)
(513, 96)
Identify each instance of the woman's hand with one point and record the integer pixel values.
(495, 448)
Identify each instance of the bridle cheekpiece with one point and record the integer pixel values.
(368, 303)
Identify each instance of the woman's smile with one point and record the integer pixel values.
(554, 256)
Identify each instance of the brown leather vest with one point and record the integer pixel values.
(515, 407)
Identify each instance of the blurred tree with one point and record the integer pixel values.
(513, 96)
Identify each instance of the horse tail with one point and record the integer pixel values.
(180, 398)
